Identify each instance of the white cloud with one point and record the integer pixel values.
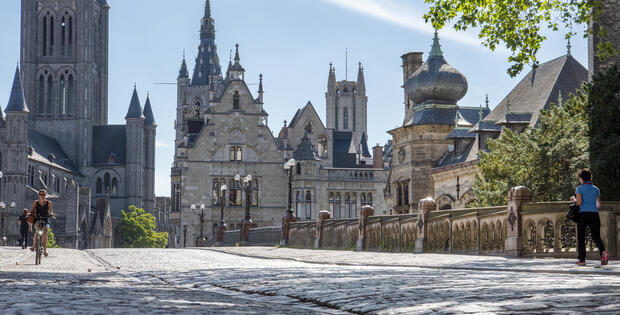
(406, 16)
(159, 144)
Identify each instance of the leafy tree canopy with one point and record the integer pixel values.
(137, 230)
(518, 24)
(545, 159)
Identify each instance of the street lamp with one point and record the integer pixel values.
(202, 240)
(185, 234)
(288, 216)
(247, 222)
(221, 227)
(3, 240)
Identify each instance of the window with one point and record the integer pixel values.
(236, 100)
(41, 95)
(366, 199)
(399, 194)
(298, 169)
(30, 173)
(322, 147)
(363, 199)
(63, 36)
(234, 192)
(216, 192)
(63, 95)
(44, 33)
(354, 205)
(345, 118)
(239, 154)
(70, 96)
(331, 203)
(48, 101)
(308, 204)
(99, 186)
(236, 153)
(106, 183)
(176, 200)
(298, 203)
(51, 48)
(337, 206)
(114, 186)
(232, 154)
(405, 193)
(255, 192)
(347, 205)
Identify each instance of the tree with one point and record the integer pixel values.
(51, 239)
(545, 159)
(137, 230)
(518, 24)
(603, 109)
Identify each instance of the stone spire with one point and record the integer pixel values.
(183, 73)
(207, 61)
(260, 88)
(135, 109)
(486, 101)
(436, 48)
(361, 82)
(236, 71)
(331, 81)
(149, 119)
(17, 102)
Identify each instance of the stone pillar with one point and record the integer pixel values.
(365, 212)
(377, 156)
(323, 215)
(219, 234)
(516, 198)
(288, 218)
(246, 225)
(425, 206)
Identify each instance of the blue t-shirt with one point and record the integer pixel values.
(588, 192)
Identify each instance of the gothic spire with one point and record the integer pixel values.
(480, 113)
(331, 80)
(183, 73)
(237, 59)
(260, 87)
(207, 61)
(135, 109)
(436, 48)
(486, 101)
(361, 82)
(17, 102)
(149, 119)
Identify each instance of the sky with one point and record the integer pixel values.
(291, 43)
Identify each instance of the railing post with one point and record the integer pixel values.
(323, 215)
(286, 224)
(517, 197)
(425, 206)
(365, 212)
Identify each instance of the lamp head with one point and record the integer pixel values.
(248, 178)
(13, 204)
(223, 187)
(237, 177)
(193, 207)
(202, 206)
(2, 205)
(292, 162)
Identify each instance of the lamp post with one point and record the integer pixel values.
(247, 221)
(2, 218)
(221, 227)
(185, 234)
(288, 216)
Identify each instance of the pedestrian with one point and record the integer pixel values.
(24, 226)
(588, 198)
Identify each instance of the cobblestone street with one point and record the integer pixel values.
(284, 281)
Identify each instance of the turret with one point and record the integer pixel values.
(135, 155)
(236, 71)
(361, 83)
(331, 80)
(183, 78)
(149, 151)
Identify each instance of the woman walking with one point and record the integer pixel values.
(588, 198)
(23, 229)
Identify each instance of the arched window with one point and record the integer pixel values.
(255, 192)
(48, 101)
(41, 95)
(399, 194)
(405, 193)
(322, 147)
(44, 33)
(99, 186)
(369, 199)
(239, 154)
(298, 169)
(354, 205)
(62, 84)
(337, 206)
(63, 36)
(234, 192)
(347, 205)
(216, 192)
(232, 154)
(331, 203)
(70, 96)
(70, 37)
(106, 182)
(363, 199)
(345, 118)
(236, 100)
(114, 186)
(308, 204)
(298, 203)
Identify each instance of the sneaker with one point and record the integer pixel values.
(581, 263)
(45, 254)
(604, 258)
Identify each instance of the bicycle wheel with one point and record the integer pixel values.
(37, 250)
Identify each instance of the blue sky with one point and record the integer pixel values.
(291, 43)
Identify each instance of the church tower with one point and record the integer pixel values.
(64, 59)
(346, 104)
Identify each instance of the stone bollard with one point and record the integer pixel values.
(425, 206)
(323, 215)
(365, 212)
(288, 218)
(514, 240)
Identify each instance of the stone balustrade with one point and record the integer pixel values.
(521, 228)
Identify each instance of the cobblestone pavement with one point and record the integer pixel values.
(212, 281)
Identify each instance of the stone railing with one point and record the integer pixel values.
(261, 236)
(522, 228)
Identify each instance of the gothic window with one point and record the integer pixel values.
(298, 203)
(405, 193)
(347, 205)
(114, 186)
(99, 186)
(236, 100)
(345, 118)
(70, 96)
(255, 192)
(331, 203)
(337, 206)
(239, 154)
(51, 48)
(216, 192)
(48, 100)
(106, 183)
(176, 201)
(345, 90)
(30, 175)
(322, 147)
(57, 184)
(308, 204)
(308, 127)
(354, 205)
(235, 153)
(70, 37)
(399, 194)
(63, 95)
(298, 169)
(63, 36)
(235, 192)
(44, 33)
(232, 154)
(41, 95)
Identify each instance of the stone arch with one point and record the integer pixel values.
(486, 237)
(444, 202)
(531, 236)
(467, 198)
(46, 25)
(66, 31)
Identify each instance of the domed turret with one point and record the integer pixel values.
(436, 81)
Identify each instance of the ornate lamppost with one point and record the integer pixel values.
(221, 227)
(288, 216)
(185, 234)
(247, 221)
(3, 241)
(201, 240)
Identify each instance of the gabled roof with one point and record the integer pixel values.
(109, 145)
(304, 151)
(47, 150)
(17, 102)
(541, 86)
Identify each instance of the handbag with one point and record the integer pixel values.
(573, 212)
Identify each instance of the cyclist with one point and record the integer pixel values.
(42, 210)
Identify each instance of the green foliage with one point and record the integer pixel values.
(51, 240)
(518, 24)
(604, 96)
(137, 230)
(545, 159)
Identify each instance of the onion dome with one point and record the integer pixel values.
(436, 81)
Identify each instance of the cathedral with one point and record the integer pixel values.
(435, 151)
(55, 134)
(222, 131)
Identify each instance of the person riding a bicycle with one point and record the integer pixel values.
(42, 211)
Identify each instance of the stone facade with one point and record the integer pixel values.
(607, 21)
(61, 133)
(222, 131)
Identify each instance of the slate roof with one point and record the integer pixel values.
(364, 143)
(451, 158)
(109, 141)
(135, 109)
(149, 119)
(194, 128)
(47, 150)
(342, 144)
(459, 133)
(304, 151)
(486, 125)
(516, 118)
(183, 73)
(17, 102)
(433, 116)
(541, 87)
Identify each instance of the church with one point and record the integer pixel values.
(55, 134)
(222, 131)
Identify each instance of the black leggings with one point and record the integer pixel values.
(592, 220)
(24, 237)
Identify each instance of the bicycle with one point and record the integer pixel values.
(39, 240)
